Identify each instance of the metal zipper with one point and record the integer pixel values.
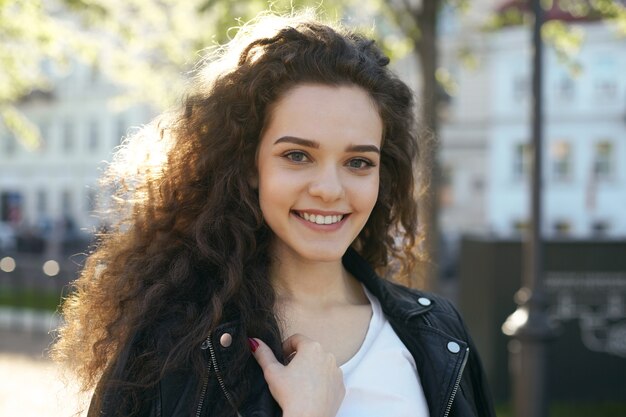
(205, 385)
(456, 384)
(209, 344)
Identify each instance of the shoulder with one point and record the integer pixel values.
(436, 309)
(437, 304)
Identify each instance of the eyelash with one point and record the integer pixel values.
(366, 162)
(289, 155)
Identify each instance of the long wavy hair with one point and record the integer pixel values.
(188, 247)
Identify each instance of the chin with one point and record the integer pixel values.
(325, 254)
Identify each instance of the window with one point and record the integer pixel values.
(561, 154)
(66, 202)
(566, 88)
(521, 87)
(605, 78)
(521, 161)
(606, 89)
(68, 136)
(94, 135)
(11, 206)
(603, 165)
(41, 202)
(562, 228)
(600, 228)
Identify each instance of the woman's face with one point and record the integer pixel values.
(318, 170)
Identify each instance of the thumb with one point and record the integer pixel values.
(263, 354)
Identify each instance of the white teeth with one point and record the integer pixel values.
(319, 219)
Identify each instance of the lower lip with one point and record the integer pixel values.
(321, 227)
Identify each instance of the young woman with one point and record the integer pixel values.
(240, 278)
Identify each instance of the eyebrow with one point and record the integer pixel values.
(313, 144)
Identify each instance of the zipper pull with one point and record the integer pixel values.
(206, 343)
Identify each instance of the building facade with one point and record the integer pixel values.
(485, 135)
(56, 185)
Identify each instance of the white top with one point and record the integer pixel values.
(381, 379)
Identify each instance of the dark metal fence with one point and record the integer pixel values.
(586, 286)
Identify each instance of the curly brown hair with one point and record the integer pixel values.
(189, 248)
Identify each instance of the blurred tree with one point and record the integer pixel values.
(28, 35)
(147, 47)
(418, 20)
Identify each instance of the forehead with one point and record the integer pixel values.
(324, 113)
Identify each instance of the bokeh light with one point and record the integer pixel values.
(7, 264)
(51, 268)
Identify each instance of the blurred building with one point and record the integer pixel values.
(485, 132)
(54, 187)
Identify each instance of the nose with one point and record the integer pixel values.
(327, 184)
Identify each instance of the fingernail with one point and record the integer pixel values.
(253, 344)
(289, 358)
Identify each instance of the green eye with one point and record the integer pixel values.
(296, 156)
(359, 163)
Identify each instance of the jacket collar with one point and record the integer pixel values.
(396, 301)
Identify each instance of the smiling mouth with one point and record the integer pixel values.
(320, 219)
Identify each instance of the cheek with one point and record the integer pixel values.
(365, 194)
(269, 203)
(275, 191)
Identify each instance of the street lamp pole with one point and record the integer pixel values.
(528, 326)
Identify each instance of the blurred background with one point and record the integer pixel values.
(77, 76)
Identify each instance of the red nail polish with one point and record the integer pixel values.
(253, 344)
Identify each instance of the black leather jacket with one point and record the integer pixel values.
(447, 362)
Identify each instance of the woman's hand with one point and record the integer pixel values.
(310, 385)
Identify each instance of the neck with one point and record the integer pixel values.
(313, 284)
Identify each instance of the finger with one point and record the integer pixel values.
(292, 343)
(263, 354)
